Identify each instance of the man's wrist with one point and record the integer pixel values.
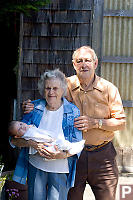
(100, 123)
(96, 123)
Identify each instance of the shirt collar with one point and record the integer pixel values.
(67, 107)
(75, 82)
(42, 104)
(96, 84)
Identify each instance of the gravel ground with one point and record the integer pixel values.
(128, 179)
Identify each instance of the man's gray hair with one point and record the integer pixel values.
(87, 48)
(52, 74)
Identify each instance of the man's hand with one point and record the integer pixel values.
(27, 106)
(84, 123)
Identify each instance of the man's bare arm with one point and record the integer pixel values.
(85, 123)
(27, 106)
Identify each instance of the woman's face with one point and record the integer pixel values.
(53, 93)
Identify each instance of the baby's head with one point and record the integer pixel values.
(17, 129)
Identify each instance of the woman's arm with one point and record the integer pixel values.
(20, 142)
(40, 147)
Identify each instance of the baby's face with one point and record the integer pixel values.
(20, 128)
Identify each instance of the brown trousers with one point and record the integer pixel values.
(99, 169)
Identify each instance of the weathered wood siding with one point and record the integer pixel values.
(49, 37)
(117, 67)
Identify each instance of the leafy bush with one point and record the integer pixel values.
(20, 6)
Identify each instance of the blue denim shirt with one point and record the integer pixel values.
(70, 133)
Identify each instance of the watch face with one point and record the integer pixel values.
(100, 123)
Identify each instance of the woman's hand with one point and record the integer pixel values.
(44, 152)
(40, 147)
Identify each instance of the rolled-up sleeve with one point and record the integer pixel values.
(116, 107)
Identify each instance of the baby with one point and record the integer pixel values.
(20, 129)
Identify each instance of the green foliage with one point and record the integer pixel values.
(6, 176)
(23, 6)
(2, 182)
(20, 6)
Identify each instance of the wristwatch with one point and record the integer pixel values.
(100, 123)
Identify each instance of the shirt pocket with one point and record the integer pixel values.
(101, 110)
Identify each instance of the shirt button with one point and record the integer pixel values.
(85, 92)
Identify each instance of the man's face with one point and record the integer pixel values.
(84, 64)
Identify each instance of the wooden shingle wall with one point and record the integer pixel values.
(49, 37)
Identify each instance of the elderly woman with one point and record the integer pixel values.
(49, 174)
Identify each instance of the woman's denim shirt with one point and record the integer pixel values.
(71, 134)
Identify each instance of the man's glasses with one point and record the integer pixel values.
(81, 61)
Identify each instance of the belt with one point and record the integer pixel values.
(95, 147)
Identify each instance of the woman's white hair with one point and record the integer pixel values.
(52, 74)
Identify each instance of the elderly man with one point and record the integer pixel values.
(101, 114)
